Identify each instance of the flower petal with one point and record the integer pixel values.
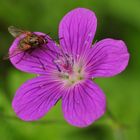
(36, 97)
(34, 61)
(107, 58)
(83, 104)
(77, 30)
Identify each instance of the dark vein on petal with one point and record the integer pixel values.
(97, 52)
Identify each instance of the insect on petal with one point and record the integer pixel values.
(37, 60)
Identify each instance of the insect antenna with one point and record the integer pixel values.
(54, 39)
(59, 38)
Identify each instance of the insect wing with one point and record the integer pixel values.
(15, 32)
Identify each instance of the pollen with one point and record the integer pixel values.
(70, 72)
(75, 77)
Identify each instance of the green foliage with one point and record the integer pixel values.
(117, 19)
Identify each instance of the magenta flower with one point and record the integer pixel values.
(66, 72)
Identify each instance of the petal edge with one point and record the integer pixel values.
(108, 57)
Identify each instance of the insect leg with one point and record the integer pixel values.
(30, 52)
(21, 57)
(11, 56)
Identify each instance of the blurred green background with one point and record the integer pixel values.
(118, 19)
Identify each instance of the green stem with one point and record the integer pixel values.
(117, 127)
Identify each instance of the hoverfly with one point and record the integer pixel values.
(28, 43)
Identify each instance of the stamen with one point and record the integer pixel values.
(69, 71)
(64, 63)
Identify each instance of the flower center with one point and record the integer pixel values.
(69, 71)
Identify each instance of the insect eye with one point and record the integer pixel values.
(33, 41)
(36, 42)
